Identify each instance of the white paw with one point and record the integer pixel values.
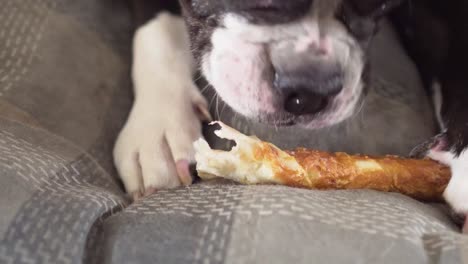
(456, 193)
(155, 148)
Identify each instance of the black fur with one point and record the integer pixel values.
(144, 10)
(276, 11)
(434, 32)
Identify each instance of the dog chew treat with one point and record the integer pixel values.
(253, 161)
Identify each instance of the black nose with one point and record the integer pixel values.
(269, 11)
(309, 91)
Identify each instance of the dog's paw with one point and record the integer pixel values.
(456, 193)
(155, 148)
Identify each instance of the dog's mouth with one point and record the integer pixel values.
(243, 46)
(260, 98)
(278, 120)
(306, 73)
(285, 82)
(331, 113)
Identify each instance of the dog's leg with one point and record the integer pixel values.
(451, 147)
(155, 148)
(438, 43)
(454, 84)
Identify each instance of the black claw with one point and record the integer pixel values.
(423, 149)
(193, 172)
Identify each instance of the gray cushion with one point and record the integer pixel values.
(65, 93)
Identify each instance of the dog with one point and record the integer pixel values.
(306, 65)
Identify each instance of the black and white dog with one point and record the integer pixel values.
(286, 63)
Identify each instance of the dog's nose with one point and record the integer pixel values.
(269, 11)
(309, 91)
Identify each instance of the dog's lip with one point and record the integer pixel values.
(285, 123)
(284, 119)
(278, 119)
(303, 121)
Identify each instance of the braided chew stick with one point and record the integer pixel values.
(253, 161)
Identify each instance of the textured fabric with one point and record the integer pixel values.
(67, 194)
(64, 65)
(64, 95)
(218, 223)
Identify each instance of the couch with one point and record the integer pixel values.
(65, 92)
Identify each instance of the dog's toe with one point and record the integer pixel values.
(150, 191)
(456, 193)
(154, 152)
(183, 170)
(437, 143)
(137, 195)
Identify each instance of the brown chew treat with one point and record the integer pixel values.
(421, 179)
(253, 161)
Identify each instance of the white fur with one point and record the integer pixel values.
(239, 64)
(456, 193)
(235, 69)
(162, 124)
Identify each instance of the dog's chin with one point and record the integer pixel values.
(258, 101)
(312, 122)
(242, 72)
(337, 111)
(248, 91)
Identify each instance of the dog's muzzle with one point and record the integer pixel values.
(306, 80)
